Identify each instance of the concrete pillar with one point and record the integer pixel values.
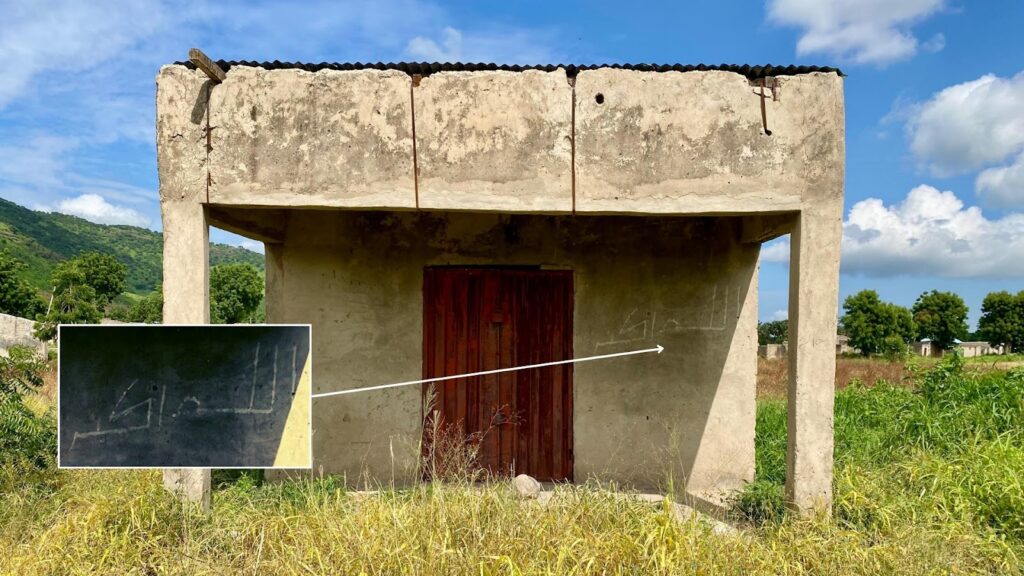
(186, 301)
(813, 294)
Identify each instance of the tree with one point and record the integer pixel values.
(1002, 319)
(235, 293)
(875, 326)
(102, 272)
(149, 309)
(16, 296)
(942, 317)
(74, 302)
(775, 332)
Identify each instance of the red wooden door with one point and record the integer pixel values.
(477, 319)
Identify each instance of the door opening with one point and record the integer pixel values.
(477, 319)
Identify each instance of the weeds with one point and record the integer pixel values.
(947, 456)
(927, 480)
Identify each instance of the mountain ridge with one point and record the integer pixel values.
(42, 239)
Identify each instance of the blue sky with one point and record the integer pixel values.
(934, 96)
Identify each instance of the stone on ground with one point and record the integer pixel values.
(527, 486)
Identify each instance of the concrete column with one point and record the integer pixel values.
(186, 301)
(813, 294)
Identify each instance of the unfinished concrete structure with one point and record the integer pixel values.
(620, 207)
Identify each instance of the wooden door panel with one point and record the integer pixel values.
(478, 319)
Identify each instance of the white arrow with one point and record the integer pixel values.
(657, 349)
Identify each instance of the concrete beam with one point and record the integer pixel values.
(495, 141)
(760, 228)
(266, 225)
(694, 142)
(324, 139)
(813, 302)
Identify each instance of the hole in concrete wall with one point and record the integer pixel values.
(599, 98)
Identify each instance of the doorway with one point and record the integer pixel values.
(479, 319)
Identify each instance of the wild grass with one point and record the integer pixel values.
(928, 481)
(946, 457)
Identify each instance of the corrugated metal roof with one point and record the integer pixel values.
(427, 68)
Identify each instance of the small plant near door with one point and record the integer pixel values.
(449, 454)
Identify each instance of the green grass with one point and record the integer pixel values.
(928, 481)
(949, 452)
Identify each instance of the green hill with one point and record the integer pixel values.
(42, 239)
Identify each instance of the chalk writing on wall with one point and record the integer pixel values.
(713, 313)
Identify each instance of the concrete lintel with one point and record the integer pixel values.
(267, 225)
(764, 227)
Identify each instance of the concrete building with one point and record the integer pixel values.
(975, 349)
(843, 346)
(17, 331)
(773, 351)
(925, 347)
(438, 219)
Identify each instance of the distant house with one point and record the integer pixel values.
(975, 349)
(772, 351)
(969, 349)
(843, 345)
(925, 347)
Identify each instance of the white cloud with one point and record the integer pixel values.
(776, 250)
(780, 314)
(969, 126)
(449, 48)
(859, 31)
(87, 68)
(502, 46)
(935, 44)
(252, 245)
(66, 35)
(1002, 187)
(36, 161)
(95, 208)
(931, 233)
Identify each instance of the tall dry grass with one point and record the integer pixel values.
(773, 374)
(109, 522)
(927, 482)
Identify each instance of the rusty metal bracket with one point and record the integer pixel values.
(764, 112)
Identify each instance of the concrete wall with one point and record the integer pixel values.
(687, 284)
(606, 141)
(17, 331)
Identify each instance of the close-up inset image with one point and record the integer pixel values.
(184, 396)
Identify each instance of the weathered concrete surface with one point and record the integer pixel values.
(667, 142)
(186, 301)
(330, 138)
(685, 415)
(813, 302)
(16, 331)
(189, 484)
(181, 108)
(495, 141)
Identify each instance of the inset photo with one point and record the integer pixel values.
(140, 396)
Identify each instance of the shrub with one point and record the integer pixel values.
(26, 435)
